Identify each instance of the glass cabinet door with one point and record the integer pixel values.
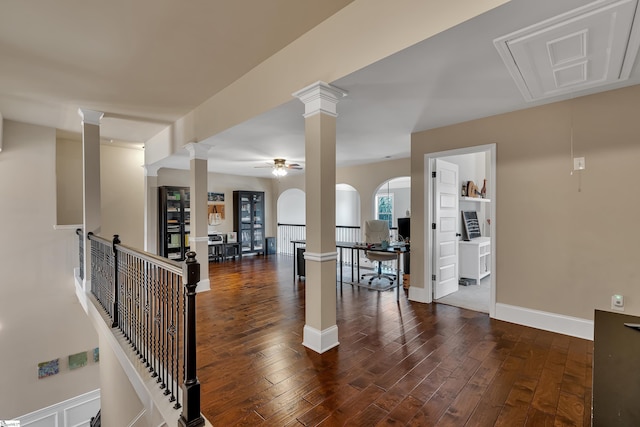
(258, 236)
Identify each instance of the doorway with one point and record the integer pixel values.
(478, 291)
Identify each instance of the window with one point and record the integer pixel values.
(384, 208)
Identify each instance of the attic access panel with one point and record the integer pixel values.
(590, 46)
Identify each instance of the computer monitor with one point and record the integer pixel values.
(404, 228)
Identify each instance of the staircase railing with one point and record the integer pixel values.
(151, 300)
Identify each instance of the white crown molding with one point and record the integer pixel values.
(151, 170)
(198, 150)
(320, 97)
(90, 117)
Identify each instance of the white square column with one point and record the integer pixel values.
(199, 226)
(320, 331)
(91, 198)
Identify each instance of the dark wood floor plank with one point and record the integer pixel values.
(398, 362)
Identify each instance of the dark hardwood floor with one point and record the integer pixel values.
(397, 363)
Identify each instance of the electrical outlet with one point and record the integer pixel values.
(579, 164)
(617, 302)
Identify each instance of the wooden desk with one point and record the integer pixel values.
(221, 251)
(355, 248)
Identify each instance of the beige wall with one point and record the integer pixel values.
(69, 182)
(122, 189)
(40, 317)
(564, 243)
(358, 35)
(364, 178)
(122, 194)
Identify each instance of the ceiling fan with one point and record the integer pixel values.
(280, 167)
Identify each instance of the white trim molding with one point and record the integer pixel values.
(320, 341)
(320, 97)
(71, 412)
(198, 151)
(552, 322)
(419, 294)
(90, 117)
(321, 257)
(203, 285)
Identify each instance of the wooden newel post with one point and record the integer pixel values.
(116, 286)
(190, 416)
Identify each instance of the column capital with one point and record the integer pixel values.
(151, 170)
(90, 117)
(320, 97)
(198, 150)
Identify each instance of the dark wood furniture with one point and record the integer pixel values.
(248, 221)
(173, 225)
(616, 370)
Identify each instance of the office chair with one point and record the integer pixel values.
(375, 231)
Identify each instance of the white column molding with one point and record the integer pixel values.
(91, 197)
(320, 97)
(321, 257)
(90, 117)
(198, 150)
(320, 341)
(151, 170)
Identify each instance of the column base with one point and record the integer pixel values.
(203, 285)
(419, 294)
(320, 341)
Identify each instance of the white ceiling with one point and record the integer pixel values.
(118, 57)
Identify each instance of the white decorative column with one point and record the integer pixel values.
(91, 209)
(151, 209)
(320, 331)
(199, 234)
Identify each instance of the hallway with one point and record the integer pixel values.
(397, 363)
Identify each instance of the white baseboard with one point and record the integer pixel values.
(567, 325)
(419, 294)
(74, 412)
(320, 341)
(203, 285)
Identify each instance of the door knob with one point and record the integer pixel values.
(458, 235)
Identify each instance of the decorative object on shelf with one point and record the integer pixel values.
(472, 189)
(463, 191)
(215, 197)
(483, 192)
(215, 208)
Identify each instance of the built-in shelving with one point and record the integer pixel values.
(174, 221)
(475, 199)
(248, 220)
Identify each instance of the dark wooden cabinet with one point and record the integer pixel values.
(616, 370)
(248, 220)
(174, 219)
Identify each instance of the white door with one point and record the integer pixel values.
(446, 219)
